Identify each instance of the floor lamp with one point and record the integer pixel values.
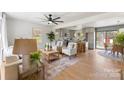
(25, 47)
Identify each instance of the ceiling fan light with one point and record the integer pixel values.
(49, 22)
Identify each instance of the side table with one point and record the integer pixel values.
(33, 73)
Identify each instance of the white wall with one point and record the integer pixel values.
(22, 29)
(0, 15)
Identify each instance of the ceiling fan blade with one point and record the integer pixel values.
(55, 23)
(46, 16)
(43, 19)
(56, 18)
(59, 21)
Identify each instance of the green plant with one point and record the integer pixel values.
(35, 57)
(51, 36)
(119, 38)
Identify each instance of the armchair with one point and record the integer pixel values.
(70, 50)
(58, 46)
(9, 69)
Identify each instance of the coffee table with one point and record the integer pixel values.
(50, 55)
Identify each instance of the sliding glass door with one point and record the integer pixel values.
(109, 38)
(100, 37)
(104, 37)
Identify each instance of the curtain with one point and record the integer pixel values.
(4, 35)
(0, 42)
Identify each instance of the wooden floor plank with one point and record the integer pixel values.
(91, 66)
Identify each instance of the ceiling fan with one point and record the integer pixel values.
(50, 19)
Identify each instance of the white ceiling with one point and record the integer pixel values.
(103, 19)
(85, 19)
(65, 16)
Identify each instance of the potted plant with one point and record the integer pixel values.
(35, 59)
(119, 38)
(51, 37)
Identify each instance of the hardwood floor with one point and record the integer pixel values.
(91, 66)
(88, 66)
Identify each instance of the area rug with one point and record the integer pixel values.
(57, 66)
(109, 55)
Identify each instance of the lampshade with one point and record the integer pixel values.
(24, 46)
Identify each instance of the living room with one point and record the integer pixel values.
(66, 43)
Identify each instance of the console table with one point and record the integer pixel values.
(81, 47)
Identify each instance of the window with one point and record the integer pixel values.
(100, 37)
(103, 37)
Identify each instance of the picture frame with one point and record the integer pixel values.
(36, 34)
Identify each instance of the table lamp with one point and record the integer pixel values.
(25, 47)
